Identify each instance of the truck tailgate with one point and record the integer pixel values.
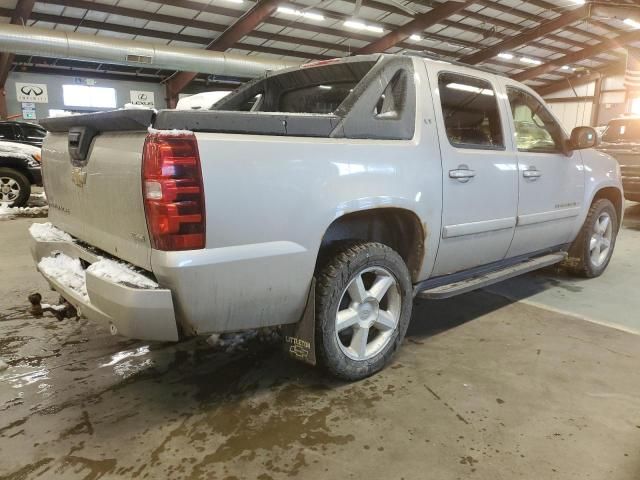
(99, 201)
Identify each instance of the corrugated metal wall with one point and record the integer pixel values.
(573, 113)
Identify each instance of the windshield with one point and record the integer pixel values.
(319, 89)
(622, 130)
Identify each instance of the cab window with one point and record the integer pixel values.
(535, 129)
(470, 111)
(6, 132)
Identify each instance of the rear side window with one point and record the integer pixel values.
(392, 102)
(33, 133)
(623, 130)
(6, 132)
(470, 111)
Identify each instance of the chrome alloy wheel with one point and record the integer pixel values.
(601, 239)
(368, 313)
(9, 190)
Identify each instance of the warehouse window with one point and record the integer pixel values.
(88, 96)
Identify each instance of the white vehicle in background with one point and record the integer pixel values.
(321, 199)
(201, 101)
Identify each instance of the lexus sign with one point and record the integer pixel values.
(144, 99)
(32, 92)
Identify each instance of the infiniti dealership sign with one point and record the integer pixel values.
(32, 92)
(144, 99)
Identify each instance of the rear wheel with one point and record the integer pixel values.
(15, 188)
(590, 254)
(363, 307)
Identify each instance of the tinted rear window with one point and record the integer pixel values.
(623, 130)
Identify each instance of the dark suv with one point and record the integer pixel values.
(20, 144)
(22, 132)
(621, 140)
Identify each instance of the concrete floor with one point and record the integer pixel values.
(609, 299)
(484, 387)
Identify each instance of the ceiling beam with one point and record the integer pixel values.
(618, 11)
(165, 34)
(621, 41)
(581, 79)
(527, 36)
(146, 32)
(293, 23)
(416, 26)
(179, 21)
(243, 26)
(375, 4)
(537, 18)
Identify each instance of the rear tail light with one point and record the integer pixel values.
(173, 192)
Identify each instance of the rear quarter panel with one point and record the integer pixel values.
(269, 201)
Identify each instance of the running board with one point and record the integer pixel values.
(473, 283)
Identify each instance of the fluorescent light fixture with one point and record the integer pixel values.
(234, 1)
(357, 25)
(300, 13)
(470, 88)
(567, 68)
(531, 61)
(324, 87)
(632, 23)
(506, 56)
(415, 38)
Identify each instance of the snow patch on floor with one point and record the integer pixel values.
(6, 211)
(120, 273)
(46, 232)
(67, 271)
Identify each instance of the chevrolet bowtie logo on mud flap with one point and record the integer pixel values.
(78, 177)
(298, 348)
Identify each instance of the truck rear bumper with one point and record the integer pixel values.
(146, 314)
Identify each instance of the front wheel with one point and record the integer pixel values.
(363, 306)
(15, 188)
(591, 252)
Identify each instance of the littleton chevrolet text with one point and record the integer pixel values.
(322, 199)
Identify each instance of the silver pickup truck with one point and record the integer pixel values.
(322, 199)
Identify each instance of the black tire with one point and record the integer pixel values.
(371, 262)
(580, 262)
(22, 182)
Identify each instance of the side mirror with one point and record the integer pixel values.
(583, 137)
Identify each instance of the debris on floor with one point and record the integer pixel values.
(3, 365)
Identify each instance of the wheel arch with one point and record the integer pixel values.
(398, 228)
(18, 165)
(614, 195)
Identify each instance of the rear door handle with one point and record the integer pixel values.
(532, 173)
(462, 174)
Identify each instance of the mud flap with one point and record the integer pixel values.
(299, 338)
